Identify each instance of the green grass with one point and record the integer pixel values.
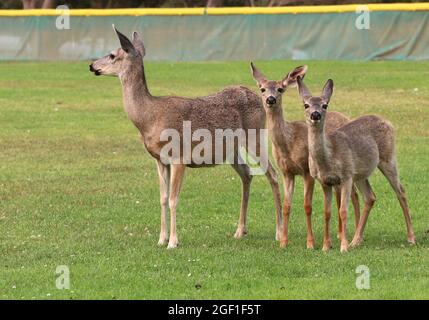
(78, 189)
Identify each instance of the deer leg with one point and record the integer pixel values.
(327, 193)
(356, 207)
(246, 178)
(337, 192)
(255, 150)
(272, 178)
(390, 171)
(289, 184)
(346, 189)
(308, 199)
(164, 182)
(355, 201)
(369, 198)
(177, 174)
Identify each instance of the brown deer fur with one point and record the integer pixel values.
(232, 108)
(290, 146)
(350, 155)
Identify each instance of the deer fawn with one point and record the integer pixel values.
(290, 147)
(350, 155)
(232, 108)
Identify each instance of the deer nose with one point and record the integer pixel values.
(271, 100)
(316, 116)
(91, 68)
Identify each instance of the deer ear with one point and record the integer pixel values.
(126, 44)
(138, 43)
(302, 88)
(257, 75)
(291, 79)
(328, 90)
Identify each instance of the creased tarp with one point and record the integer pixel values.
(395, 35)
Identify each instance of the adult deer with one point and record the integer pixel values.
(350, 155)
(290, 147)
(233, 108)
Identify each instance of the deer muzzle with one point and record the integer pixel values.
(316, 116)
(92, 69)
(271, 100)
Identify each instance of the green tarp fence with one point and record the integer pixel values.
(394, 35)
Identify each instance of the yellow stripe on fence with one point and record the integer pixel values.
(321, 9)
(106, 12)
(218, 11)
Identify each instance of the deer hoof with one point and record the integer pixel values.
(310, 245)
(240, 233)
(356, 242)
(412, 240)
(327, 246)
(162, 241)
(284, 243)
(172, 244)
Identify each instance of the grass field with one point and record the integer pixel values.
(78, 189)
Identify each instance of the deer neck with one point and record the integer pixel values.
(319, 147)
(279, 129)
(136, 97)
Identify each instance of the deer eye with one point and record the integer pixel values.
(111, 56)
(325, 106)
(281, 90)
(306, 105)
(262, 89)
